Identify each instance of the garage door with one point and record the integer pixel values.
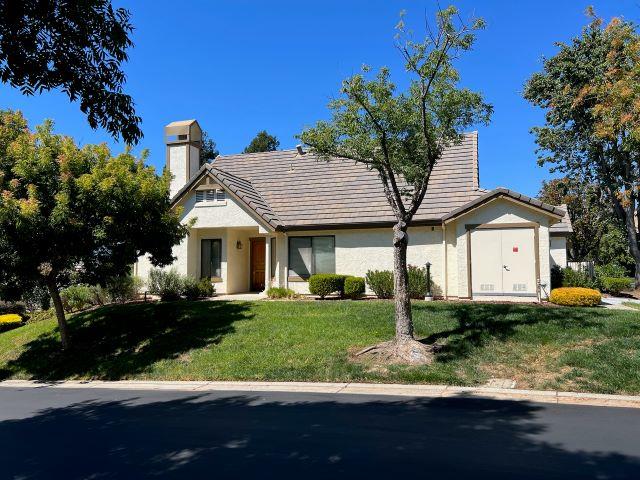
(503, 262)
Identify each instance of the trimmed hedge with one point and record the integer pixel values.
(575, 297)
(281, 292)
(615, 285)
(354, 287)
(9, 321)
(323, 284)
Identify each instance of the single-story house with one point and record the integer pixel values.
(275, 218)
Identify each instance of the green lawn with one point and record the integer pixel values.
(594, 350)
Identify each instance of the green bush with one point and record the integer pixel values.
(610, 270)
(575, 297)
(37, 298)
(380, 282)
(122, 289)
(417, 282)
(194, 289)
(354, 287)
(557, 276)
(168, 284)
(280, 292)
(77, 297)
(323, 284)
(573, 278)
(615, 285)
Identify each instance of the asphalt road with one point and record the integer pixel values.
(91, 433)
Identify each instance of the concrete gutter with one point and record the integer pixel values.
(418, 391)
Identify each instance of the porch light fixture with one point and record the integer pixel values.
(239, 245)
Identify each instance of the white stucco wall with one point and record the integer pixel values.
(501, 211)
(177, 167)
(357, 251)
(228, 213)
(558, 251)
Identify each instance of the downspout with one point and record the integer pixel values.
(445, 287)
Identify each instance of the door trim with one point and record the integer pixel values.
(500, 226)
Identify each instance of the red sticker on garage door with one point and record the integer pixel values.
(515, 249)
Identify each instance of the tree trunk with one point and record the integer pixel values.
(632, 237)
(404, 321)
(57, 304)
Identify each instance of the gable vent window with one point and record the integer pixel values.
(210, 196)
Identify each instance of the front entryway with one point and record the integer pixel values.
(257, 269)
(503, 262)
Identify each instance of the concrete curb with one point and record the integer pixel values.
(420, 391)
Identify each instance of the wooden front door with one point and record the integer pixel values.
(257, 271)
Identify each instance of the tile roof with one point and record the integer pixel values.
(292, 191)
(564, 225)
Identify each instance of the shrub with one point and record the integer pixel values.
(323, 284)
(557, 276)
(100, 295)
(11, 308)
(610, 270)
(280, 292)
(417, 282)
(354, 287)
(76, 297)
(615, 285)
(37, 298)
(123, 289)
(194, 289)
(10, 320)
(573, 278)
(575, 297)
(168, 284)
(380, 282)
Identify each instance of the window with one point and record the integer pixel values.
(310, 255)
(211, 258)
(210, 195)
(273, 257)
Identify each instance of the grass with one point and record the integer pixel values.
(575, 349)
(634, 305)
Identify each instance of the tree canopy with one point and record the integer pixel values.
(77, 47)
(401, 135)
(262, 142)
(590, 93)
(208, 149)
(63, 207)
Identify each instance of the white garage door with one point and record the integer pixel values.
(503, 262)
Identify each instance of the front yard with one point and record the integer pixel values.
(576, 349)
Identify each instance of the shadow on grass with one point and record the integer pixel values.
(232, 435)
(116, 341)
(481, 323)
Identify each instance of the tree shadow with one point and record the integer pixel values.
(116, 434)
(117, 341)
(481, 323)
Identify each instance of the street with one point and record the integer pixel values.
(101, 433)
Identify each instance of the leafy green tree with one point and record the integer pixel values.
(590, 92)
(65, 208)
(208, 150)
(263, 142)
(402, 136)
(77, 47)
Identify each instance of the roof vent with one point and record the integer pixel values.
(300, 149)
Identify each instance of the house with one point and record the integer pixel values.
(274, 218)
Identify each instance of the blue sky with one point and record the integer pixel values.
(240, 66)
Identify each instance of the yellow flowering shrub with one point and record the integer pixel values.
(575, 297)
(10, 318)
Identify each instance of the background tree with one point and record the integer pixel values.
(402, 136)
(63, 207)
(590, 92)
(263, 142)
(208, 150)
(78, 47)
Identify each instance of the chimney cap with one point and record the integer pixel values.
(300, 149)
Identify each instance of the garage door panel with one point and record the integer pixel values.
(486, 269)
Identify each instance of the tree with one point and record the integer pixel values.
(589, 217)
(67, 208)
(208, 150)
(590, 92)
(402, 136)
(77, 47)
(262, 142)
